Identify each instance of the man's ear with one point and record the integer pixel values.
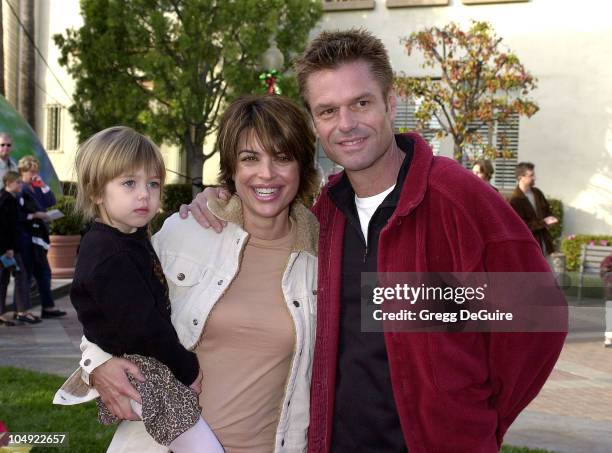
(392, 104)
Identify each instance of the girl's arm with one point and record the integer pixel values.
(132, 322)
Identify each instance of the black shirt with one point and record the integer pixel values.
(121, 297)
(365, 416)
(9, 239)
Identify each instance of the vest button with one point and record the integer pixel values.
(180, 277)
(87, 362)
(296, 303)
(220, 282)
(195, 322)
(283, 443)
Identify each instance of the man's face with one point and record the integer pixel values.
(528, 179)
(353, 120)
(6, 145)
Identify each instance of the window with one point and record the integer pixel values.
(407, 3)
(501, 136)
(54, 123)
(405, 121)
(340, 5)
(479, 2)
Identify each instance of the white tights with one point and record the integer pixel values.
(197, 439)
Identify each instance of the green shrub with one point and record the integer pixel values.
(72, 222)
(156, 222)
(556, 207)
(174, 196)
(571, 246)
(69, 188)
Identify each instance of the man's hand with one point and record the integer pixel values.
(197, 384)
(200, 211)
(111, 382)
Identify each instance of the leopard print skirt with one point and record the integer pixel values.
(169, 408)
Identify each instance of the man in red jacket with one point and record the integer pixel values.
(397, 208)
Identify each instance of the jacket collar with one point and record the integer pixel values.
(415, 183)
(307, 234)
(518, 193)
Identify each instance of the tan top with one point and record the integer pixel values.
(246, 349)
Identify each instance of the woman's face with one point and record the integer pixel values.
(266, 184)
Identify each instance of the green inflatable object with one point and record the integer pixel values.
(25, 142)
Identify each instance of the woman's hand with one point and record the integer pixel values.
(111, 382)
(197, 384)
(200, 211)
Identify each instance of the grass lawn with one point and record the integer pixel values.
(25, 406)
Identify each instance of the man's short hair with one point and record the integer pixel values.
(10, 177)
(332, 49)
(522, 168)
(280, 125)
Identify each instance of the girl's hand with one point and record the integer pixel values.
(197, 384)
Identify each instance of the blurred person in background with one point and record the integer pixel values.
(6, 163)
(12, 264)
(34, 200)
(483, 168)
(531, 205)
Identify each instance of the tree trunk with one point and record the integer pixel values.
(458, 153)
(27, 90)
(2, 92)
(195, 164)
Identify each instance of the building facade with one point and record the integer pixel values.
(566, 44)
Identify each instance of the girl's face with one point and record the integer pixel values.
(130, 200)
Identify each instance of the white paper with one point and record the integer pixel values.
(55, 214)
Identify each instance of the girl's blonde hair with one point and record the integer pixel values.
(28, 163)
(108, 154)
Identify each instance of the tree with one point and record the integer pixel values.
(478, 83)
(27, 73)
(1, 53)
(167, 67)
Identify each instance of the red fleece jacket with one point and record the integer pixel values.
(454, 392)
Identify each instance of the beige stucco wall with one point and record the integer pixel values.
(50, 20)
(567, 44)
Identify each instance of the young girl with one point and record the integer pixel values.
(119, 290)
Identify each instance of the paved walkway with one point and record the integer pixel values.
(572, 413)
